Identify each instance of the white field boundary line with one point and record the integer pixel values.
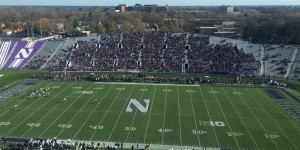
(163, 133)
(150, 114)
(134, 116)
(154, 84)
(257, 119)
(47, 112)
(92, 113)
(225, 118)
(194, 115)
(120, 114)
(74, 116)
(20, 113)
(179, 119)
(252, 138)
(63, 112)
(209, 115)
(279, 109)
(272, 119)
(19, 102)
(106, 112)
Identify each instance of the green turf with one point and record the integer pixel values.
(9, 76)
(177, 115)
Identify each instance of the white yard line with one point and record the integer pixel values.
(74, 116)
(279, 109)
(91, 113)
(47, 112)
(194, 115)
(241, 119)
(225, 118)
(130, 128)
(18, 103)
(272, 119)
(179, 121)
(106, 112)
(25, 118)
(63, 112)
(151, 106)
(134, 117)
(209, 116)
(163, 133)
(120, 114)
(257, 120)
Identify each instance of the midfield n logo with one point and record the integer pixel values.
(138, 105)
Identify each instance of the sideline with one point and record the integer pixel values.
(143, 83)
(196, 85)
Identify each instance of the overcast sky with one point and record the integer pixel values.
(159, 2)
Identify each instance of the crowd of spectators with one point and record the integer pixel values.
(37, 62)
(153, 44)
(44, 54)
(58, 62)
(219, 58)
(174, 53)
(40, 143)
(130, 50)
(157, 52)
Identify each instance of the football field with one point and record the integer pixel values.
(187, 115)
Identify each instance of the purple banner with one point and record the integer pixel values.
(5, 49)
(23, 53)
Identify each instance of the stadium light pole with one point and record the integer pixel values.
(27, 27)
(41, 29)
(264, 69)
(32, 30)
(27, 32)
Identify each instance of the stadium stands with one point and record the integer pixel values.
(156, 52)
(280, 61)
(44, 54)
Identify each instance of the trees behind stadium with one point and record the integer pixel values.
(264, 25)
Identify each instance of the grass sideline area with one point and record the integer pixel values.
(11, 76)
(160, 114)
(8, 77)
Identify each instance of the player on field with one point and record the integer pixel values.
(65, 100)
(95, 101)
(14, 107)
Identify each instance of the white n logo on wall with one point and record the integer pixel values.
(23, 53)
(138, 105)
(20, 57)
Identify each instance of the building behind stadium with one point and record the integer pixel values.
(154, 8)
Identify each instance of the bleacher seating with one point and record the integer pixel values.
(166, 52)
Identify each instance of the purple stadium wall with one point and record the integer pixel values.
(23, 53)
(5, 49)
